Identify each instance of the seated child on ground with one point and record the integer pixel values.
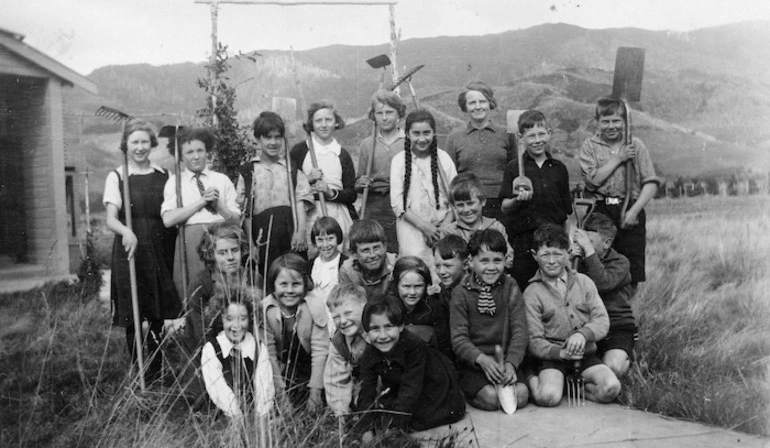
(611, 274)
(370, 265)
(419, 384)
(487, 310)
(235, 369)
(297, 338)
(566, 317)
(466, 194)
(342, 373)
(423, 313)
(326, 236)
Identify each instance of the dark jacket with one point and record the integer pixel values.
(422, 384)
(612, 277)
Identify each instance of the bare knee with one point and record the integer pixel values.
(486, 399)
(522, 395)
(617, 361)
(608, 391)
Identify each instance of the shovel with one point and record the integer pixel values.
(382, 61)
(627, 86)
(506, 395)
(521, 182)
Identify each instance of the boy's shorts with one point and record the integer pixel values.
(565, 367)
(473, 379)
(617, 339)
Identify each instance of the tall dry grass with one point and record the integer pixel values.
(704, 352)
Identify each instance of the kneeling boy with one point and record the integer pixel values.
(566, 317)
(341, 376)
(611, 273)
(487, 310)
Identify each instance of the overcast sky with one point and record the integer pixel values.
(87, 34)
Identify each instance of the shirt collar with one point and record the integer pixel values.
(247, 346)
(470, 128)
(188, 175)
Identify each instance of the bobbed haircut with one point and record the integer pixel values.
(530, 119)
(217, 231)
(464, 186)
(550, 235)
(386, 305)
(477, 86)
(222, 298)
(388, 98)
(209, 140)
(327, 225)
(268, 122)
(407, 264)
(601, 224)
(292, 262)
(366, 231)
(344, 292)
(452, 246)
(487, 239)
(609, 106)
(339, 122)
(138, 125)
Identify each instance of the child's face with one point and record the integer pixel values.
(536, 140)
(421, 136)
(271, 145)
(371, 256)
(552, 261)
(139, 146)
(600, 243)
(323, 124)
(235, 322)
(347, 316)
(382, 334)
(227, 256)
(611, 127)
(469, 212)
(328, 246)
(477, 105)
(194, 156)
(449, 271)
(385, 116)
(488, 265)
(411, 289)
(289, 288)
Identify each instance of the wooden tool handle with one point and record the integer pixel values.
(290, 181)
(314, 162)
(499, 356)
(629, 168)
(369, 167)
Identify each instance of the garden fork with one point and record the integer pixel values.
(576, 388)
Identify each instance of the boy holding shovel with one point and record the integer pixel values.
(547, 201)
(602, 161)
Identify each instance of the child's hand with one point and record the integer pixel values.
(315, 400)
(575, 344)
(298, 241)
(626, 152)
(322, 188)
(363, 182)
(129, 243)
(491, 369)
(432, 233)
(171, 326)
(525, 194)
(509, 377)
(630, 219)
(211, 196)
(581, 239)
(314, 175)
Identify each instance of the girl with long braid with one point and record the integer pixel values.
(417, 192)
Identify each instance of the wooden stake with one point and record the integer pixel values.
(394, 39)
(181, 234)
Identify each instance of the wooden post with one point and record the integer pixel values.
(213, 76)
(394, 38)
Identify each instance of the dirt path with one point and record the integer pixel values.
(590, 426)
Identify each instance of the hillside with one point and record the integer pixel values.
(705, 97)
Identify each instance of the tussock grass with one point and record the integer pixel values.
(704, 352)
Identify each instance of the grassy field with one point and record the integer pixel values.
(704, 353)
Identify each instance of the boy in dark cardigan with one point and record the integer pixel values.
(487, 309)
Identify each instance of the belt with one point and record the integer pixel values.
(612, 200)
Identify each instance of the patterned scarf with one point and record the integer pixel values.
(486, 303)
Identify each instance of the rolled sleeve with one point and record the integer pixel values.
(169, 195)
(589, 164)
(644, 165)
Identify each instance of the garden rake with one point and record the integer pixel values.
(576, 387)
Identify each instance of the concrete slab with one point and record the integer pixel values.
(593, 425)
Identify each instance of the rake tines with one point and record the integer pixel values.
(112, 114)
(576, 388)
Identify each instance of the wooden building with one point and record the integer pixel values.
(38, 198)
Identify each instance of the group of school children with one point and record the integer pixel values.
(400, 313)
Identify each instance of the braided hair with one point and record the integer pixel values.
(421, 116)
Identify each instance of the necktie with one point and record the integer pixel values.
(202, 190)
(237, 371)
